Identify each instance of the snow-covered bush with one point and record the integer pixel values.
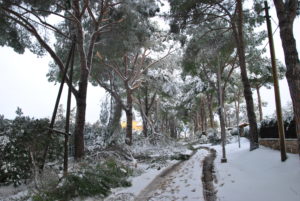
(203, 139)
(24, 146)
(94, 137)
(213, 136)
(198, 134)
(87, 181)
(269, 128)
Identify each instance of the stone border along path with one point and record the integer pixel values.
(184, 180)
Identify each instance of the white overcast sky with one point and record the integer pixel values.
(23, 84)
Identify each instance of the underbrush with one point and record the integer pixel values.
(87, 181)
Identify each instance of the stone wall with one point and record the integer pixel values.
(291, 144)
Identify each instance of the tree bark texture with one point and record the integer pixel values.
(203, 115)
(210, 110)
(172, 127)
(259, 103)
(221, 115)
(238, 33)
(129, 117)
(114, 120)
(145, 113)
(237, 115)
(145, 124)
(286, 13)
(237, 108)
(81, 98)
(225, 115)
(85, 57)
(80, 119)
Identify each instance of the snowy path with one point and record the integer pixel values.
(257, 175)
(182, 182)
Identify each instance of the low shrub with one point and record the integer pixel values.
(25, 139)
(89, 181)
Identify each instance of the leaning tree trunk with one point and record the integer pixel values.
(238, 33)
(286, 13)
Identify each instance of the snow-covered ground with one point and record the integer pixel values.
(248, 176)
(180, 181)
(138, 183)
(258, 175)
(183, 183)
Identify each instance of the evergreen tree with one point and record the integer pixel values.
(188, 14)
(82, 23)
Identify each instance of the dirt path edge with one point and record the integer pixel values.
(209, 191)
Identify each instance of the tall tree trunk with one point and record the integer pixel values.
(221, 115)
(238, 33)
(80, 119)
(259, 103)
(211, 116)
(237, 103)
(195, 121)
(114, 120)
(172, 126)
(129, 117)
(204, 116)
(286, 13)
(201, 116)
(83, 84)
(225, 115)
(145, 124)
(228, 120)
(145, 108)
(237, 115)
(145, 115)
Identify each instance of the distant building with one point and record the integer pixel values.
(136, 125)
